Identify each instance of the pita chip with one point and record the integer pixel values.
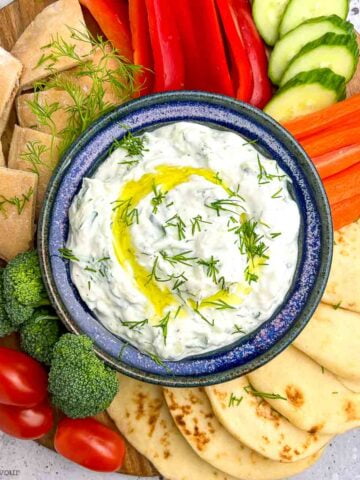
(24, 141)
(194, 417)
(10, 71)
(332, 339)
(343, 287)
(17, 211)
(52, 23)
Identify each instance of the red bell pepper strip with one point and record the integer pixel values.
(143, 56)
(166, 47)
(255, 47)
(113, 19)
(240, 59)
(206, 66)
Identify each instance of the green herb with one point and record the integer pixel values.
(89, 269)
(217, 178)
(180, 280)
(177, 222)
(211, 268)
(128, 214)
(197, 311)
(271, 396)
(250, 142)
(158, 198)
(222, 283)
(68, 254)
(133, 145)
(322, 369)
(103, 259)
(163, 324)
(220, 305)
(250, 243)
(196, 223)
(335, 307)
(18, 202)
(153, 275)
(33, 155)
(122, 350)
(222, 205)
(250, 276)
(237, 329)
(89, 285)
(177, 311)
(156, 359)
(235, 193)
(133, 325)
(182, 257)
(234, 401)
(277, 194)
(265, 177)
(274, 235)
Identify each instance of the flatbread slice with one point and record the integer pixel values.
(316, 401)
(253, 422)
(343, 287)
(50, 24)
(353, 385)
(16, 220)
(10, 71)
(140, 413)
(28, 146)
(193, 415)
(2, 158)
(332, 339)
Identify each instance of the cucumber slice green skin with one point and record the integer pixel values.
(340, 52)
(291, 43)
(267, 15)
(297, 11)
(306, 93)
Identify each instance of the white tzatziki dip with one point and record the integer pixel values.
(184, 240)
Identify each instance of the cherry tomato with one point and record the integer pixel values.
(23, 381)
(26, 423)
(89, 443)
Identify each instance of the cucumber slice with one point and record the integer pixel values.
(290, 45)
(306, 93)
(267, 16)
(298, 11)
(340, 53)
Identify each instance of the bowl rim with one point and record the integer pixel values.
(320, 200)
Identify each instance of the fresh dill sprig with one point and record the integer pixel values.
(275, 234)
(156, 359)
(234, 401)
(196, 223)
(222, 205)
(133, 145)
(43, 111)
(220, 305)
(158, 197)
(179, 281)
(33, 155)
(18, 202)
(163, 324)
(335, 307)
(211, 267)
(271, 396)
(182, 257)
(177, 222)
(263, 176)
(153, 275)
(237, 329)
(250, 142)
(128, 214)
(250, 276)
(197, 311)
(132, 325)
(277, 193)
(68, 254)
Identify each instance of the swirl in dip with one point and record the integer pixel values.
(186, 246)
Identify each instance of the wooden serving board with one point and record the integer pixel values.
(13, 20)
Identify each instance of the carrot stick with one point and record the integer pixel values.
(345, 212)
(329, 141)
(343, 185)
(333, 162)
(325, 118)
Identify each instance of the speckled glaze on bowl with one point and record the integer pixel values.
(315, 243)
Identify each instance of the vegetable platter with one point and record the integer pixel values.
(330, 135)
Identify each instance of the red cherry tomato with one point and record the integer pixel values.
(23, 381)
(89, 443)
(26, 423)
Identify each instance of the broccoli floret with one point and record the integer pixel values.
(81, 384)
(39, 335)
(24, 289)
(5, 325)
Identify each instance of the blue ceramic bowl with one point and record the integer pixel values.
(315, 242)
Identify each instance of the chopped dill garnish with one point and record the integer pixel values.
(177, 222)
(89, 285)
(89, 269)
(237, 329)
(222, 205)
(217, 178)
(133, 145)
(180, 280)
(177, 311)
(68, 254)
(335, 307)
(122, 350)
(275, 234)
(265, 177)
(211, 268)
(133, 325)
(271, 396)
(197, 311)
(128, 214)
(234, 401)
(158, 198)
(250, 142)
(250, 276)
(196, 223)
(153, 275)
(156, 359)
(33, 155)
(18, 202)
(220, 305)
(277, 194)
(182, 257)
(163, 324)
(103, 259)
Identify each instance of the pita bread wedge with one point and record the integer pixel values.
(50, 24)
(2, 158)
(343, 287)
(10, 71)
(193, 415)
(316, 401)
(353, 385)
(253, 422)
(332, 339)
(27, 145)
(16, 217)
(140, 413)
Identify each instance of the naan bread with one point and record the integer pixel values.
(254, 423)
(25, 138)
(10, 71)
(140, 413)
(17, 231)
(332, 339)
(343, 287)
(316, 401)
(353, 385)
(50, 24)
(193, 415)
